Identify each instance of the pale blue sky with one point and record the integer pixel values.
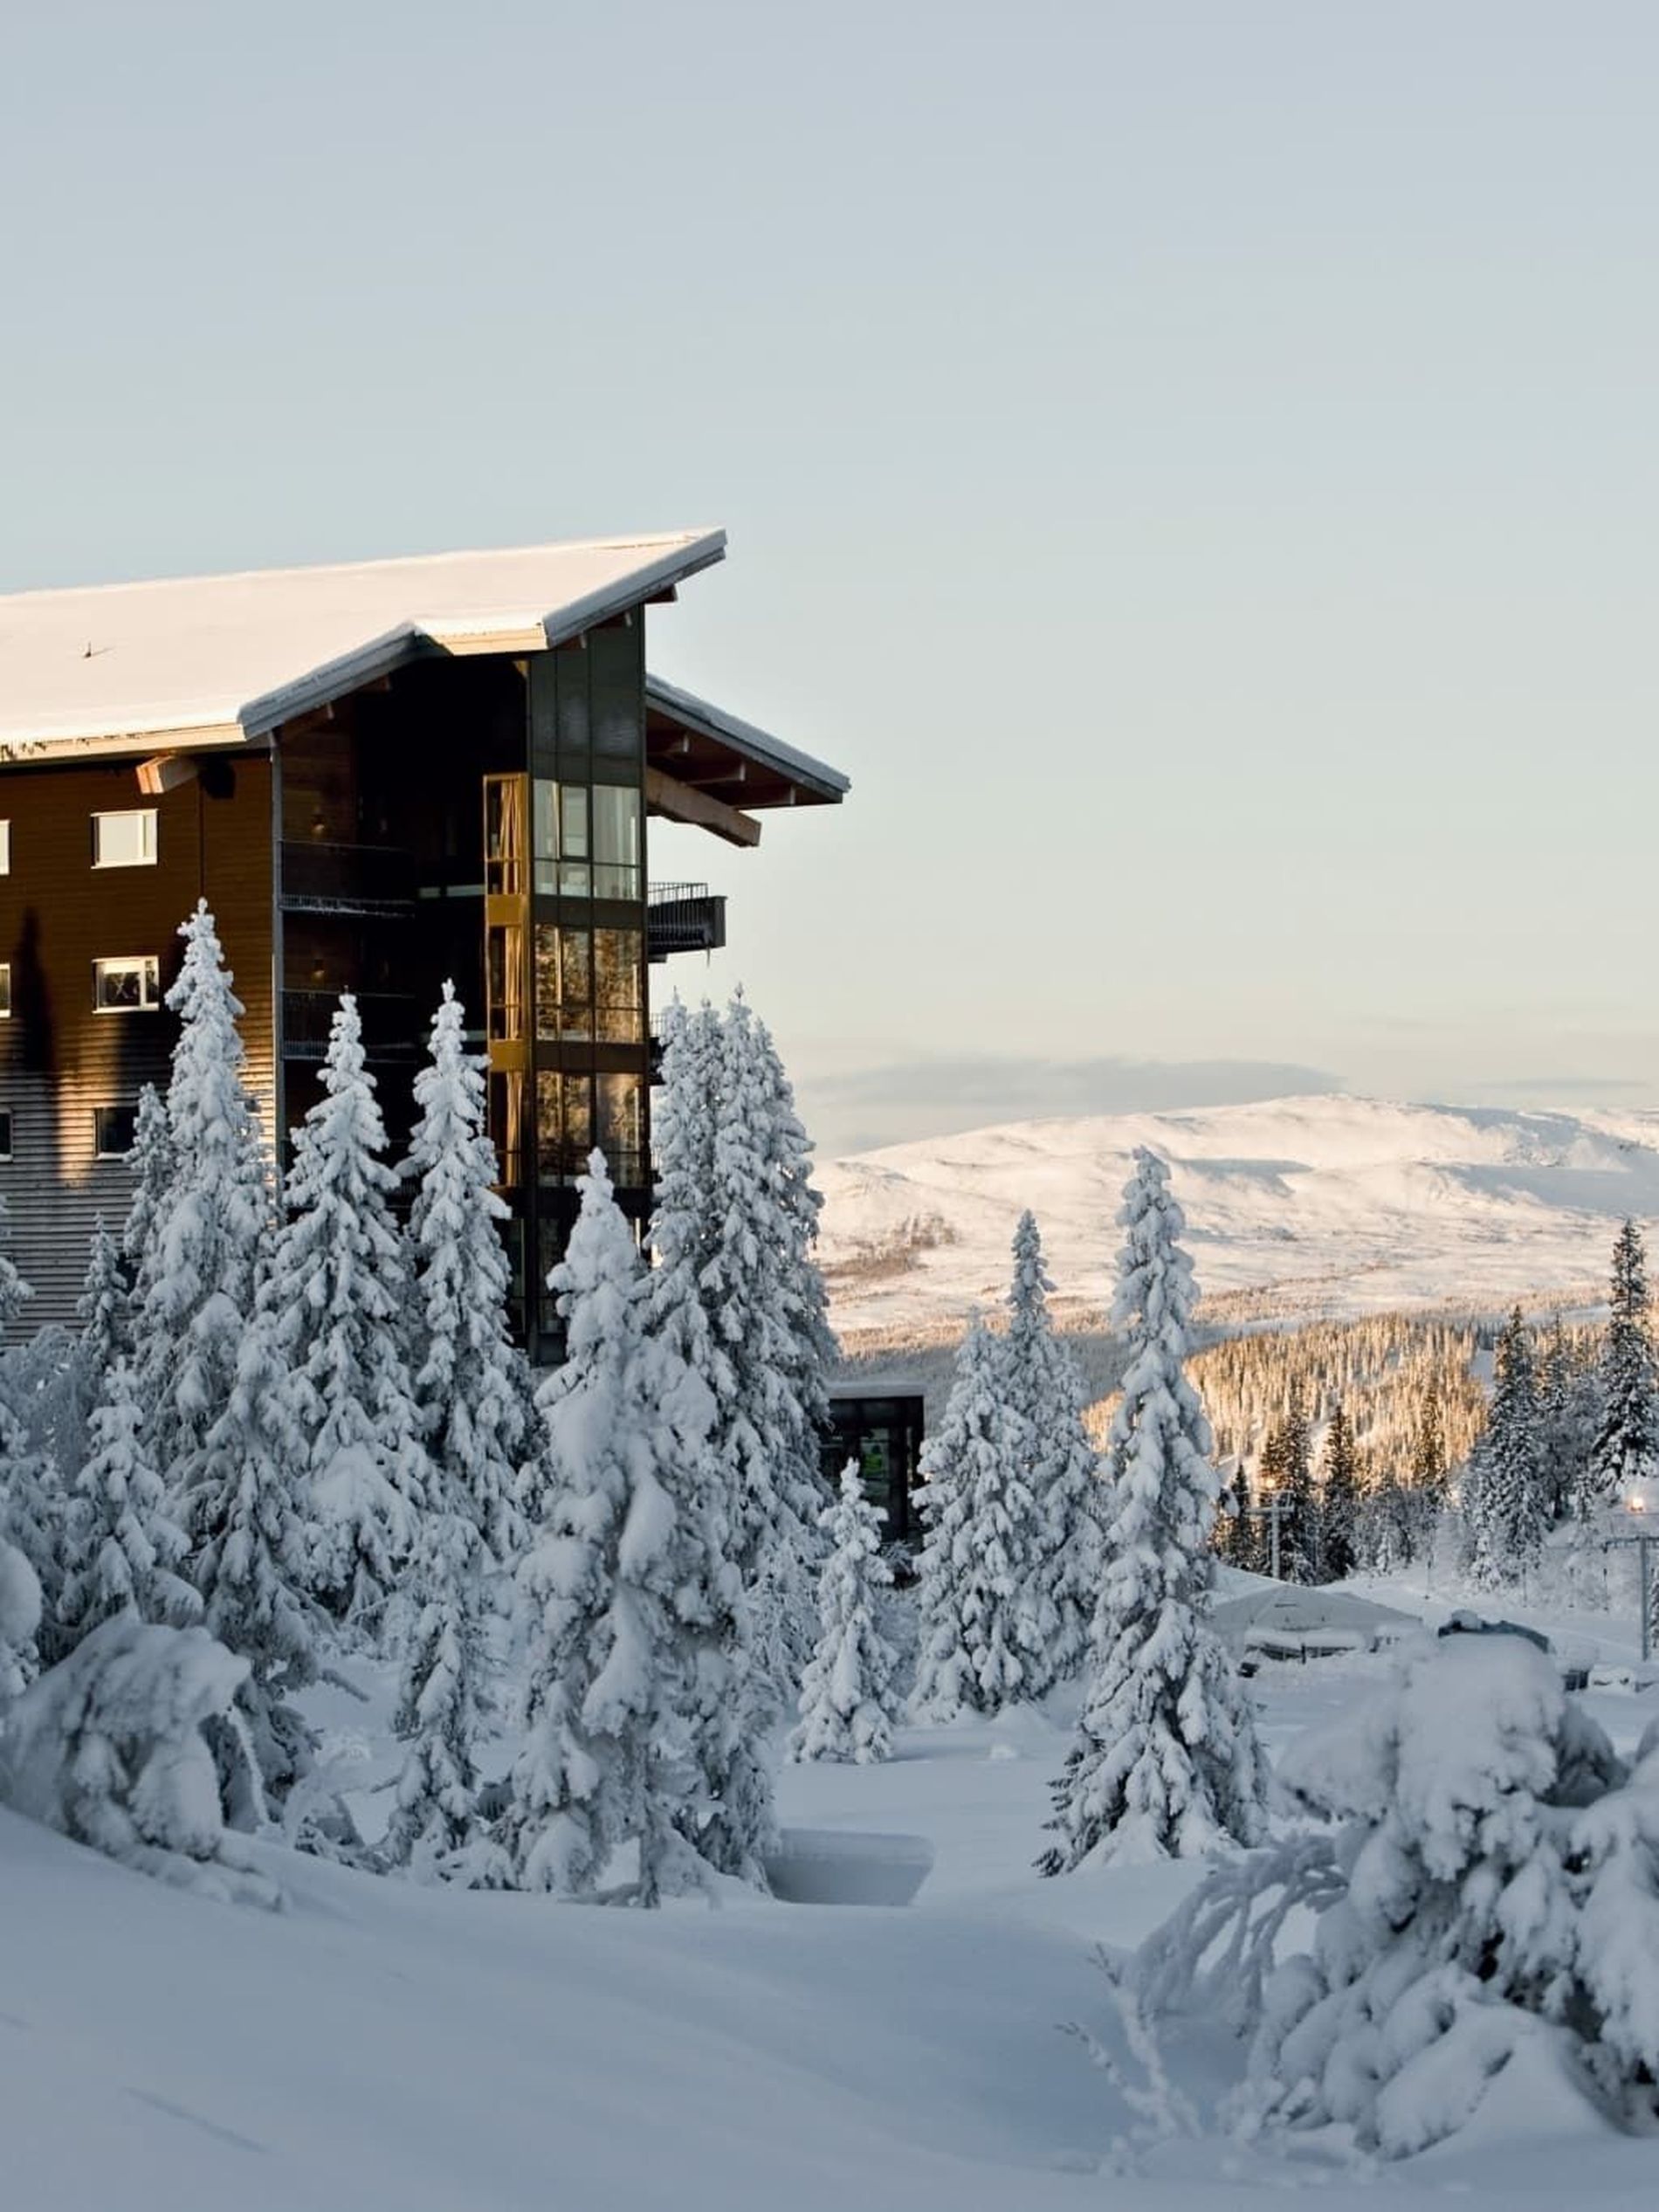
(1193, 465)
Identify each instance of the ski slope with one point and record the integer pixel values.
(1296, 1209)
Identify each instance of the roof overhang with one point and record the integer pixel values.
(711, 752)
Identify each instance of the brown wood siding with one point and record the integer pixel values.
(58, 1059)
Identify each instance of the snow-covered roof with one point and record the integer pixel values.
(221, 659)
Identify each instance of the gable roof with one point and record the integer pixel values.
(714, 751)
(219, 660)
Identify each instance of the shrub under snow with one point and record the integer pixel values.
(1490, 1893)
(109, 1748)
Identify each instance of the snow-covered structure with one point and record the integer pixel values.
(849, 1698)
(1166, 1760)
(339, 758)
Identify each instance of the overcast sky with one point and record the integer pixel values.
(1193, 465)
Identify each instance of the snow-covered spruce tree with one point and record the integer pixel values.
(848, 1700)
(19, 1619)
(1569, 1409)
(1489, 1900)
(766, 1301)
(1626, 1451)
(339, 1293)
(467, 1375)
(35, 1515)
(123, 1546)
(984, 1613)
(615, 1582)
(204, 1229)
(153, 1168)
(1043, 1388)
(104, 1312)
(733, 1705)
(1166, 1760)
(1287, 1470)
(470, 1402)
(246, 1520)
(1340, 1496)
(110, 1748)
(1505, 1508)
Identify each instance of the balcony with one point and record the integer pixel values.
(684, 918)
(391, 1023)
(376, 881)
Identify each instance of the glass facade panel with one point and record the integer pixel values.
(618, 992)
(622, 1127)
(564, 1124)
(503, 836)
(562, 841)
(506, 1125)
(616, 841)
(504, 948)
(564, 984)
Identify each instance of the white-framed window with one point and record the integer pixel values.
(5, 1134)
(5, 848)
(113, 1131)
(125, 840)
(5, 991)
(129, 985)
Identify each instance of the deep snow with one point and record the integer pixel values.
(376, 2044)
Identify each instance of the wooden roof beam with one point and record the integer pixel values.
(667, 794)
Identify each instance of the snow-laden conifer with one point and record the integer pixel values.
(338, 1291)
(730, 1713)
(1626, 1451)
(104, 1312)
(849, 1701)
(766, 1299)
(466, 1374)
(982, 1617)
(246, 1522)
(1166, 1760)
(1043, 1388)
(152, 1166)
(1487, 1906)
(1505, 1505)
(109, 1747)
(1339, 1497)
(123, 1546)
(615, 1583)
(15, 1293)
(208, 1224)
(19, 1619)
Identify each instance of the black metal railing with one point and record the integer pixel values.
(684, 918)
(346, 878)
(391, 1020)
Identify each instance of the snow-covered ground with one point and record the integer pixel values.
(1296, 1208)
(377, 2045)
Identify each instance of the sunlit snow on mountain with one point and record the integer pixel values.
(1297, 1207)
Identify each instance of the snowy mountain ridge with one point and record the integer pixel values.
(1297, 1209)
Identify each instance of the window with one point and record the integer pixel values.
(5, 1132)
(622, 1127)
(616, 811)
(126, 986)
(561, 840)
(504, 974)
(619, 991)
(564, 1124)
(114, 1127)
(5, 988)
(5, 848)
(126, 840)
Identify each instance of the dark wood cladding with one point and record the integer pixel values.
(59, 1059)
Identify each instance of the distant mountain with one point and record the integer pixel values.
(1297, 1207)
